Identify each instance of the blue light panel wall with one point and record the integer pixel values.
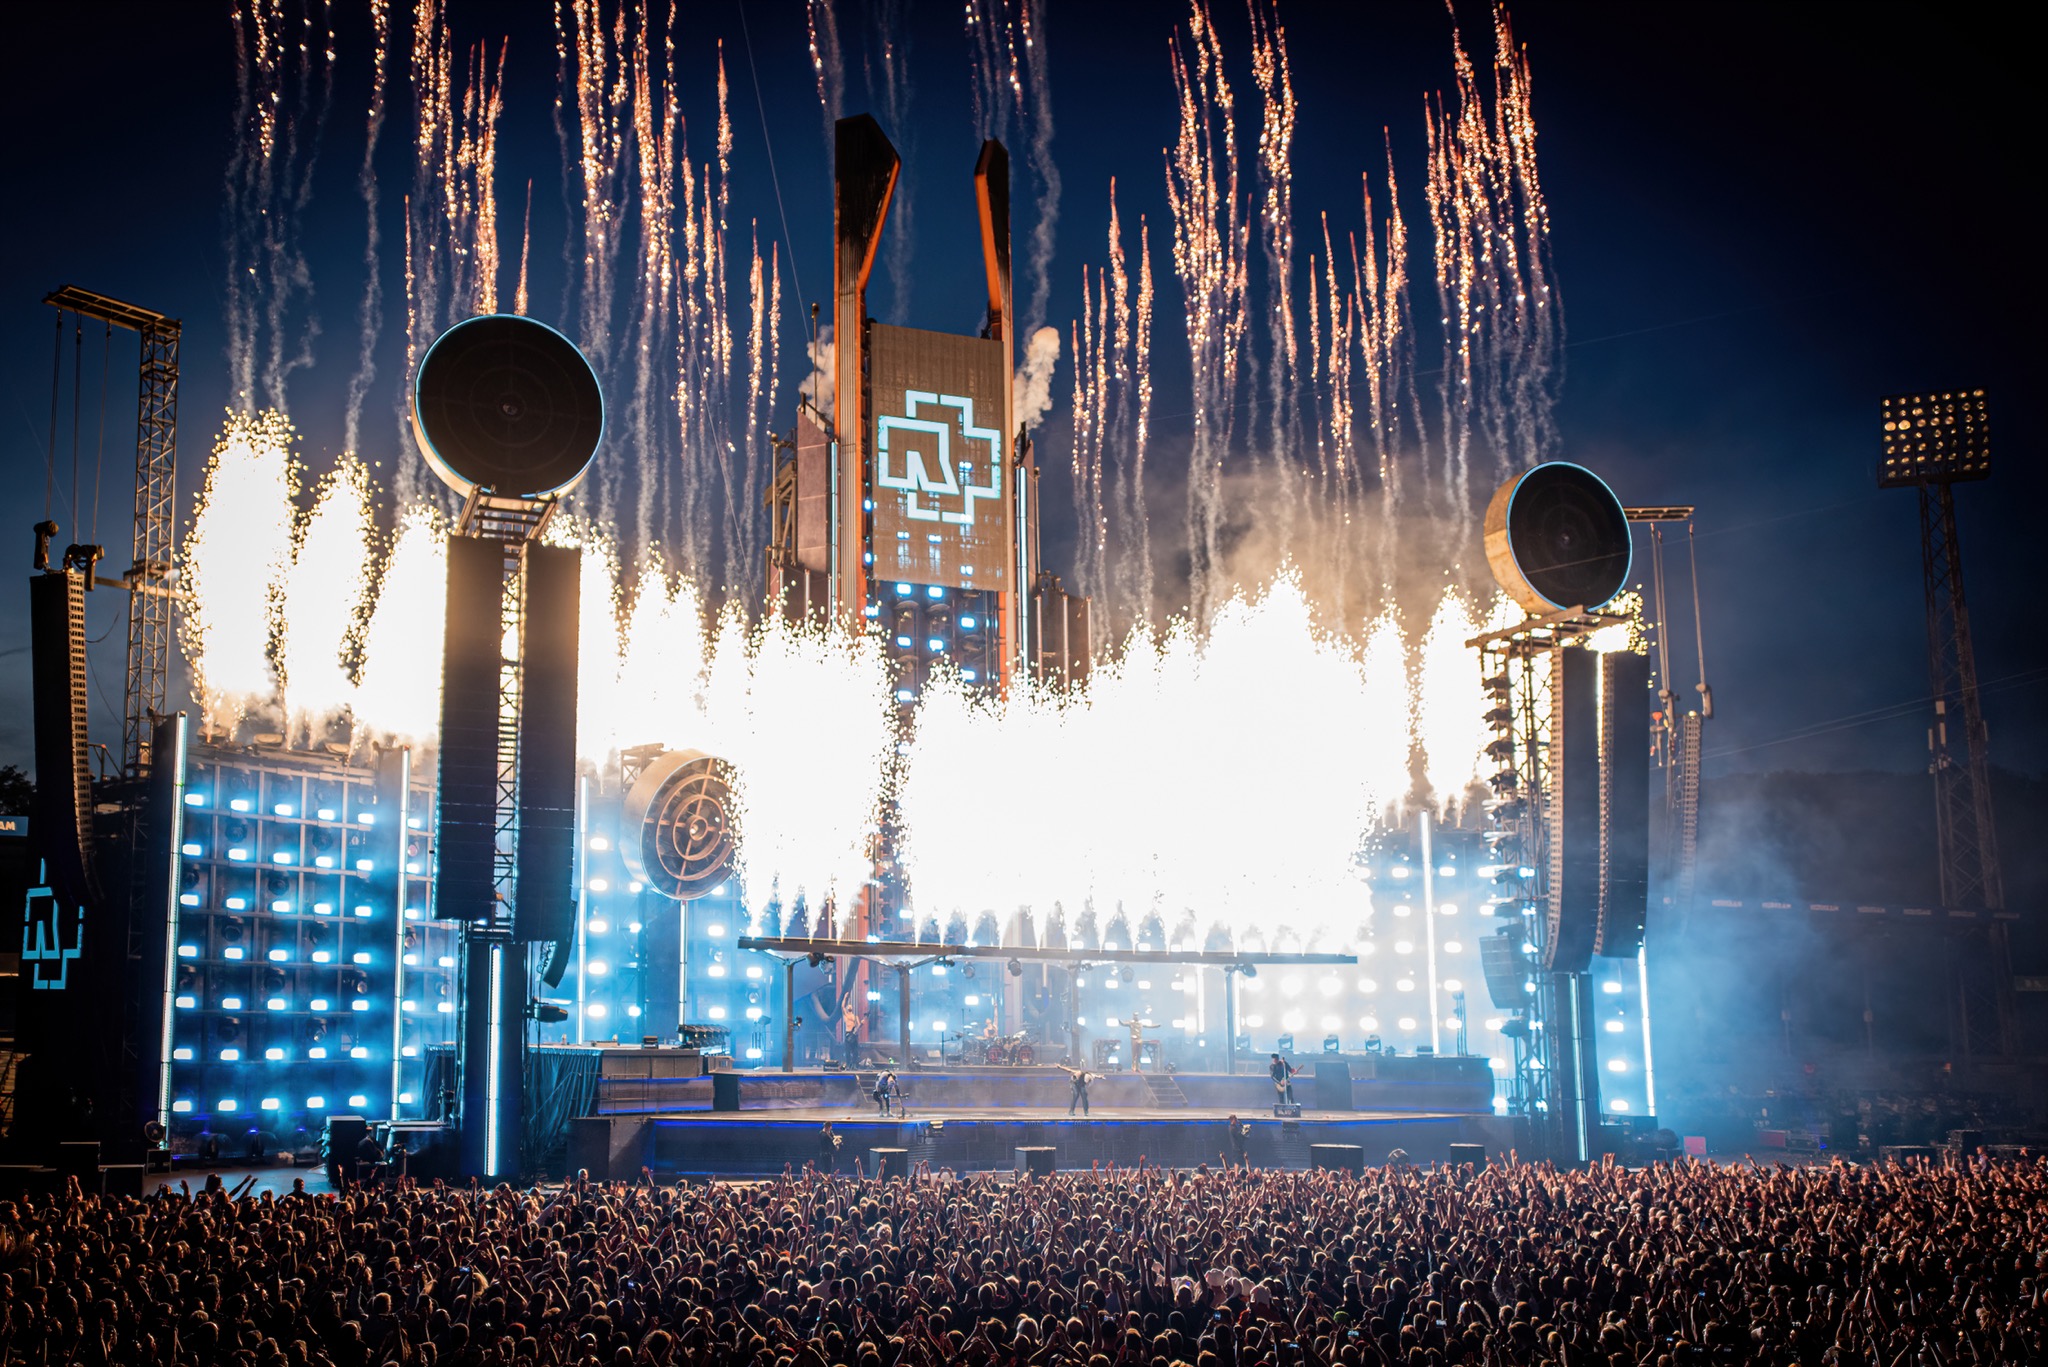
(304, 959)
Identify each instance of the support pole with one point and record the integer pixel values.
(1230, 1021)
(789, 1015)
(1436, 1043)
(903, 1012)
(1074, 1013)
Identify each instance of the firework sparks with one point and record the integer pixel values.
(1450, 705)
(1118, 810)
(325, 599)
(372, 311)
(399, 687)
(1276, 222)
(1209, 257)
(235, 560)
(809, 799)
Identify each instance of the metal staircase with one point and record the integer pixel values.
(1166, 1093)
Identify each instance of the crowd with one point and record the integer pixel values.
(1218, 1267)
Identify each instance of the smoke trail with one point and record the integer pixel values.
(1090, 400)
(1276, 222)
(1038, 257)
(1209, 257)
(525, 244)
(655, 138)
(451, 222)
(992, 66)
(280, 113)
(1141, 344)
(828, 65)
(889, 90)
(372, 311)
(234, 563)
(325, 599)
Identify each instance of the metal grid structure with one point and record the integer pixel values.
(148, 576)
(1554, 1077)
(308, 977)
(1930, 442)
(1685, 793)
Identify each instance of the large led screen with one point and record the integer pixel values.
(941, 484)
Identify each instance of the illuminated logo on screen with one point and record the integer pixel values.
(52, 935)
(933, 459)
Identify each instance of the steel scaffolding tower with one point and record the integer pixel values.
(1931, 442)
(148, 576)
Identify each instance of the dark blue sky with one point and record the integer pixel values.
(1763, 220)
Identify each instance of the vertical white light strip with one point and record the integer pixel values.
(834, 589)
(1643, 1005)
(582, 892)
(398, 931)
(167, 1025)
(1429, 925)
(494, 1061)
(1576, 1034)
(1021, 590)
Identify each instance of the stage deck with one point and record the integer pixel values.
(707, 1143)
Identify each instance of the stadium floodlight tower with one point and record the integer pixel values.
(1932, 442)
(1570, 836)
(509, 414)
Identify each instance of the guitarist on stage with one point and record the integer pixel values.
(1082, 1077)
(1282, 1073)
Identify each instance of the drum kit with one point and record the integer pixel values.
(1008, 1051)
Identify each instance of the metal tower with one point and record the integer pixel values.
(148, 576)
(1932, 442)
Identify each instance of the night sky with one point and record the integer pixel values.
(1764, 219)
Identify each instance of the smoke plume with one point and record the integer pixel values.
(1031, 391)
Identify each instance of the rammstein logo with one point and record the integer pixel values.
(934, 459)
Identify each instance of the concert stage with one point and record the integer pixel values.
(974, 1119)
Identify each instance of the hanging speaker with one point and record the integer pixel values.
(1556, 537)
(507, 405)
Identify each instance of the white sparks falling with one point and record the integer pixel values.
(326, 598)
(398, 694)
(234, 561)
(1450, 706)
(1109, 804)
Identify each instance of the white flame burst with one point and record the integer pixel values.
(1227, 779)
(803, 716)
(815, 735)
(400, 690)
(325, 601)
(1450, 705)
(234, 563)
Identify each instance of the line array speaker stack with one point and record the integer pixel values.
(467, 789)
(1574, 816)
(63, 809)
(547, 746)
(1506, 968)
(1624, 803)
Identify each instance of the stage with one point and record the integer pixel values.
(752, 1124)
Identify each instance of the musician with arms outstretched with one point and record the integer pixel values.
(1082, 1077)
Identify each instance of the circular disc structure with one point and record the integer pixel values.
(507, 405)
(677, 836)
(1557, 537)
